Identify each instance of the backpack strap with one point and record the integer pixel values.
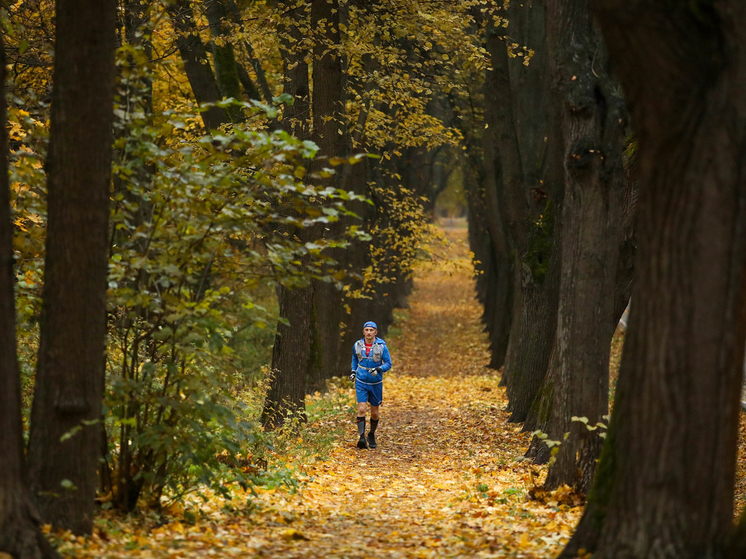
(360, 350)
(377, 352)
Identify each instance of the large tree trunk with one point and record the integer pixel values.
(330, 134)
(594, 121)
(20, 525)
(70, 372)
(356, 178)
(665, 480)
(541, 417)
(296, 117)
(499, 303)
(292, 349)
(290, 357)
(527, 139)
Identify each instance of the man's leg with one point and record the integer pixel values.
(361, 425)
(373, 426)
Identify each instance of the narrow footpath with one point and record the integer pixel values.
(445, 481)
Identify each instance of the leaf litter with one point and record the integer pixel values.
(447, 479)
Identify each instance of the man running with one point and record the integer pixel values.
(370, 359)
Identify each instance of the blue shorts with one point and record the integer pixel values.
(372, 393)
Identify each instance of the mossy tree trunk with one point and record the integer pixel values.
(230, 75)
(530, 171)
(665, 480)
(594, 120)
(196, 64)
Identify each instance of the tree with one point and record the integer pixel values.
(500, 274)
(231, 75)
(594, 121)
(291, 353)
(527, 138)
(197, 67)
(664, 484)
(20, 525)
(330, 134)
(64, 444)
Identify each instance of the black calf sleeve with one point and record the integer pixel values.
(361, 425)
(373, 425)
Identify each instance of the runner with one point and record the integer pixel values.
(370, 359)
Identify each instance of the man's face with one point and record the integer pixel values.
(369, 333)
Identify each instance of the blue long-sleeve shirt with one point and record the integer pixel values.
(360, 366)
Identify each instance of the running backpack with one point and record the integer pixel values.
(376, 352)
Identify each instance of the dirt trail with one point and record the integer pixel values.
(445, 480)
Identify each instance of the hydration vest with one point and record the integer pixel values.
(376, 352)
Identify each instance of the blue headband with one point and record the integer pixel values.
(370, 324)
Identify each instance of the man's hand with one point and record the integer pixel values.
(376, 371)
(352, 376)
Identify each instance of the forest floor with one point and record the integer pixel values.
(446, 480)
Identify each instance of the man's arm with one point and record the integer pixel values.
(385, 360)
(354, 360)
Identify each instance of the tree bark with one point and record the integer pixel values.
(540, 417)
(594, 121)
(664, 486)
(330, 134)
(291, 353)
(501, 286)
(296, 117)
(196, 65)
(20, 525)
(261, 77)
(227, 71)
(70, 371)
(356, 179)
(290, 357)
(527, 139)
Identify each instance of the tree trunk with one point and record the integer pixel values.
(664, 486)
(330, 134)
(501, 287)
(533, 331)
(261, 77)
(70, 371)
(292, 348)
(540, 416)
(295, 118)
(356, 179)
(290, 357)
(20, 525)
(196, 65)
(527, 140)
(227, 71)
(482, 246)
(594, 121)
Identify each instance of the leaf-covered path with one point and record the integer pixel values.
(444, 482)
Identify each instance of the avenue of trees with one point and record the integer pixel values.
(586, 182)
(178, 177)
